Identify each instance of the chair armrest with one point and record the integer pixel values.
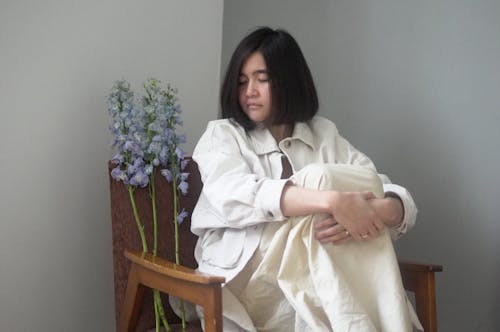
(176, 280)
(419, 267)
(170, 269)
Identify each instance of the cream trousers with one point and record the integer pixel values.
(295, 283)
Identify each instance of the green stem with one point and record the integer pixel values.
(159, 308)
(157, 317)
(183, 314)
(176, 240)
(176, 224)
(159, 311)
(155, 214)
(140, 227)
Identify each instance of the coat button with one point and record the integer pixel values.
(270, 214)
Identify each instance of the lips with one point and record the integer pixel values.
(253, 106)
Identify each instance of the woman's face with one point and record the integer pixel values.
(254, 92)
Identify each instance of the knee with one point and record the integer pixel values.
(317, 176)
(339, 177)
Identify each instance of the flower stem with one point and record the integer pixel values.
(140, 227)
(183, 314)
(155, 214)
(176, 238)
(176, 224)
(157, 317)
(159, 312)
(158, 306)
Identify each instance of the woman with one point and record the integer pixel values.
(291, 214)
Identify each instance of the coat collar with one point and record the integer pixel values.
(264, 142)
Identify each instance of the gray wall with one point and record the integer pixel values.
(58, 60)
(415, 85)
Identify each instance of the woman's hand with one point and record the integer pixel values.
(390, 209)
(354, 212)
(329, 230)
(359, 213)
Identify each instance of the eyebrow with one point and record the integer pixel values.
(258, 71)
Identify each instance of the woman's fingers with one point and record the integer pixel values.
(333, 234)
(355, 218)
(327, 222)
(353, 211)
(328, 230)
(344, 240)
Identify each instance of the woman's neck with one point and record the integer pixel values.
(280, 132)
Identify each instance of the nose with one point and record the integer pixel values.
(251, 89)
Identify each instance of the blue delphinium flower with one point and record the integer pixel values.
(128, 136)
(182, 216)
(167, 174)
(161, 118)
(144, 138)
(183, 187)
(139, 179)
(126, 130)
(120, 106)
(118, 159)
(119, 175)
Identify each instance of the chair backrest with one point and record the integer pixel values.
(125, 235)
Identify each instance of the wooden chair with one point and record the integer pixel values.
(419, 279)
(140, 272)
(179, 281)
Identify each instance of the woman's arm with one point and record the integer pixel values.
(356, 212)
(233, 193)
(400, 211)
(353, 215)
(390, 209)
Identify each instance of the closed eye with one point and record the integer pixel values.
(242, 80)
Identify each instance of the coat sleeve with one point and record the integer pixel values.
(347, 153)
(231, 191)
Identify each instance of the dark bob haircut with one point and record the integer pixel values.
(293, 94)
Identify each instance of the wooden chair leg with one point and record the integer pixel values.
(213, 312)
(419, 279)
(425, 292)
(134, 295)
